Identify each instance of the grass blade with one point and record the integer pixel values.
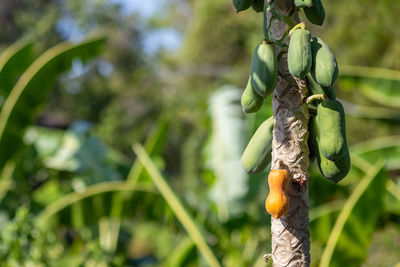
(176, 206)
(324, 209)
(346, 212)
(369, 72)
(90, 191)
(153, 144)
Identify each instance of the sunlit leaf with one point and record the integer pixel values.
(369, 72)
(387, 147)
(370, 112)
(175, 204)
(379, 90)
(31, 90)
(73, 150)
(153, 145)
(108, 233)
(351, 235)
(93, 190)
(392, 200)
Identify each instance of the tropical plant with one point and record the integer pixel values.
(75, 192)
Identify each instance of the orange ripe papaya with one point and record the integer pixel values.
(277, 203)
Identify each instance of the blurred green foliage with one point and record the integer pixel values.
(73, 192)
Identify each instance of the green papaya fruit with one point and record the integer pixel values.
(315, 88)
(258, 5)
(334, 170)
(302, 3)
(313, 133)
(241, 5)
(299, 53)
(257, 154)
(251, 101)
(264, 69)
(332, 129)
(315, 13)
(324, 65)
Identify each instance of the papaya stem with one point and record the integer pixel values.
(315, 97)
(266, 41)
(300, 25)
(265, 30)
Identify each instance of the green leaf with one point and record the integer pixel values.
(324, 209)
(392, 201)
(153, 145)
(69, 260)
(387, 147)
(108, 233)
(73, 150)
(383, 92)
(377, 84)
(6, 179)
(351, 235)
(176, 206)
(13, 62)
(31, 90)
(370, 112)
(183, 254)
(90, 191)
(369, 72)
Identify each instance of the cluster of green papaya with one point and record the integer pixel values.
(327, 140)
(263, 77)
(309, 58)
(261, 83)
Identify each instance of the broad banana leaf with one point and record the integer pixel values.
(31, 90)
(13, 62)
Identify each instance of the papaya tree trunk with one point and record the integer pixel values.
(290, 233)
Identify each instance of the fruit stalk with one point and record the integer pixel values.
(290, 233)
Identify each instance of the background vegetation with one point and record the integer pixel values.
(83, 83)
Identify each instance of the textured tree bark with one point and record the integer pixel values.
(290, 233)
